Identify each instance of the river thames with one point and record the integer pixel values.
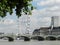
(32, 42)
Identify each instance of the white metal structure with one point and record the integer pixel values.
(28, 24)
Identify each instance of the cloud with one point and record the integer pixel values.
(9, 21)
(35, 12)
(51, 11)
(35, 0)
(44, 22)
(48, 2)
(45, 19)
(54, 8)
(48, 11)
(8, 26)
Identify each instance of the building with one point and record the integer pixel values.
(48, 31)
(36, 32)
(55, 21)
(53, 29)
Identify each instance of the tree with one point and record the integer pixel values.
(19, 6)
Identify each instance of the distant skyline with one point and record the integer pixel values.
(41, 16)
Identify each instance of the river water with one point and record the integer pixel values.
(32, 42)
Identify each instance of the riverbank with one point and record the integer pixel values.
(32, 42)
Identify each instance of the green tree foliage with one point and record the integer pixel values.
(19, 5)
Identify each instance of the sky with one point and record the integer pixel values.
(41, 17)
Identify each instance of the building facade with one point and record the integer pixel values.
(53, 29)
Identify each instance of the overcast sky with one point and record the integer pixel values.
(41, 17)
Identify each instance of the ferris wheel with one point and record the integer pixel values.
(25, 21)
